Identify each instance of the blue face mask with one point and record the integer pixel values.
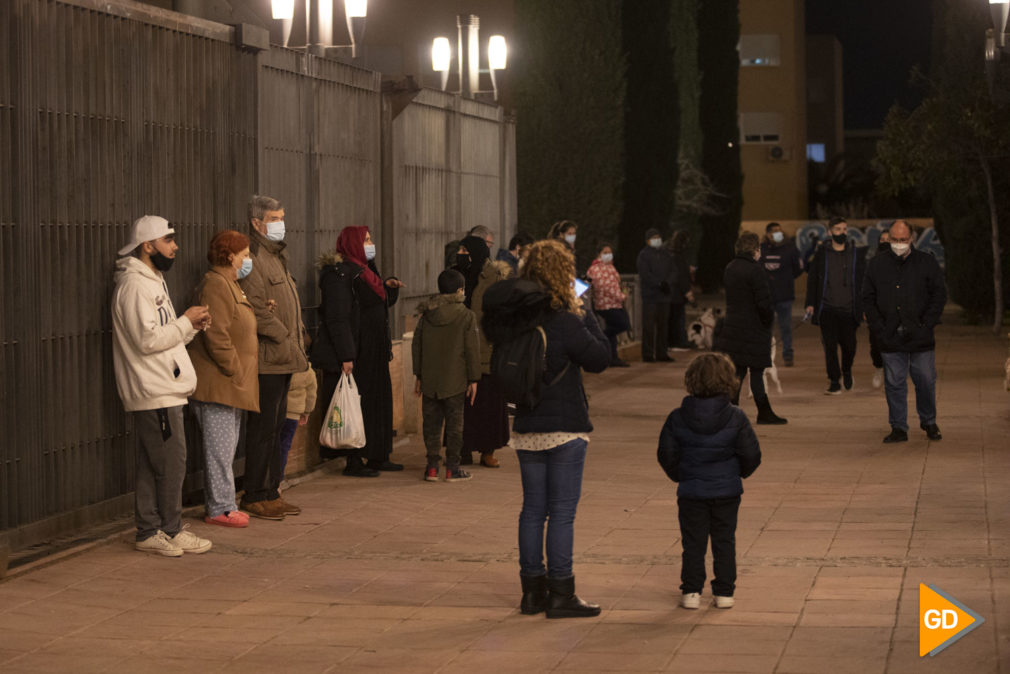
(275, 230)
(369, 251)
(245, 269)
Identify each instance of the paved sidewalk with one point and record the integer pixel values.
(396, 574)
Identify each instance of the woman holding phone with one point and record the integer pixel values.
(608, 299)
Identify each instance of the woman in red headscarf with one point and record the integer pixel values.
(354, 337)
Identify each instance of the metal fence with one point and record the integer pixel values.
(110, 109)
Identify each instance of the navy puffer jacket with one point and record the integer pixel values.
(708, 446)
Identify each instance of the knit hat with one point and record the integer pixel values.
(146, 228)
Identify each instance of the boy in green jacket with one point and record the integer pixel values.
(447, 366)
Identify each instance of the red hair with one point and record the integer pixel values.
(225, 244)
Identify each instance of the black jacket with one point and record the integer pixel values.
(746, 334)
(657, 275)
(782, 264)
(708, 445)
(904, 299)
(817, 279)
(346, 298)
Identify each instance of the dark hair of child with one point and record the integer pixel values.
(450, 281)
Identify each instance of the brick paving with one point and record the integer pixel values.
(394, 574)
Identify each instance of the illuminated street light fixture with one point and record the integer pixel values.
(995, 48)
(469, 85)
(319, 23)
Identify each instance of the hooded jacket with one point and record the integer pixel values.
(445, 349)
(281, 349)
(708, 446)
(489, 275)
(153, 369)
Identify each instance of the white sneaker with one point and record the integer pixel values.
(691, 600)
(723, 602)
(191, 543)
(878, 377)
(159, 544)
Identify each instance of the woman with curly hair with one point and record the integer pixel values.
(550, 438)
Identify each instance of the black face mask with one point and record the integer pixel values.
(839, 238)
(160, 262)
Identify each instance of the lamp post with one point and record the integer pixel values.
(469, 69)
(319, 23)
(996, 47)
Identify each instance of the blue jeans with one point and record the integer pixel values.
(552, 484)
(784, 313)
(922, 367)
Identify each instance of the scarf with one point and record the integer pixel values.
(351, 245)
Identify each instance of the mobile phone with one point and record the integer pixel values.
(580, 287)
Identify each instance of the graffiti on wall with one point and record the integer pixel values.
(811, 234)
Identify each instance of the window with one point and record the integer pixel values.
(759, 51)
(760, 127)
(815, 152)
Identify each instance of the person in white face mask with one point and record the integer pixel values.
(657, 278)
(608, 299)
(566, 232)
(274, 298)
(903, 297)
(781, 261)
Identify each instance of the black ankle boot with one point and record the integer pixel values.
(562, 602)
(534, 594)
(765, 413)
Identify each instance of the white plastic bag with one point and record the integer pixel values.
(343, 425)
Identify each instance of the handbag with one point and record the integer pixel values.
(343, 426)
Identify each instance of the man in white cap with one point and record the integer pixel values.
(155, 377)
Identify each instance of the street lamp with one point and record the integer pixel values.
(469, 84)
(319, 23)
(995, 47)
(1000, 10)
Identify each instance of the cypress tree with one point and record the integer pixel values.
(719, 61)
(569, 95)
(651, 123)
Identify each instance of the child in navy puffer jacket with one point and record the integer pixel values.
(708, 446)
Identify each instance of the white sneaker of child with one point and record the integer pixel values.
(723, 602)
(691, 600)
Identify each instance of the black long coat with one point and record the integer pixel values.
(354, 325)
(746, 335)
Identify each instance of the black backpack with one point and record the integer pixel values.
(513, 311)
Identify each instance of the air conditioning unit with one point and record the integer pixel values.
(779, 153)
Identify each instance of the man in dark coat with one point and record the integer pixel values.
(904, 296)
(834, 302)
(746, 334)
(781, 261)
(657, 276)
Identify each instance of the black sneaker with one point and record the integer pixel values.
(360, 470)
(834, 389)
(456, 474)
(932, 431)
(847, 380)
(897, 435)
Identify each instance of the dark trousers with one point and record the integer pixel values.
(262, 440)
(161, 469)
(757, 381)
(875, 357)
(655, 322)
(700, 520)
(838, 329)
(435, 412)
(677, 328)
(288, 430)
(615, 321)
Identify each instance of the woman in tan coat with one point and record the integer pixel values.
(224, 356)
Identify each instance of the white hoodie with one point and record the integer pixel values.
(153, 369)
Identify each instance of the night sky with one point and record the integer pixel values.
(881, 41)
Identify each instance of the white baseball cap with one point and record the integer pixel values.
(146, 228)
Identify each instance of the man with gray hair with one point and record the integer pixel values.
(274, 297)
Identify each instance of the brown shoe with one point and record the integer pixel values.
(265, 510)
(488, 461)
(289, 508)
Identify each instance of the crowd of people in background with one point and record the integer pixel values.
(242, 352)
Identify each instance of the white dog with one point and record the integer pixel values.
(772, 372)
(700, 332)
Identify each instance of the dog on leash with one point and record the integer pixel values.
(770, 372)
(702, 331)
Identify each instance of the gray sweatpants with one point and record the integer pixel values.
(161, 468)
